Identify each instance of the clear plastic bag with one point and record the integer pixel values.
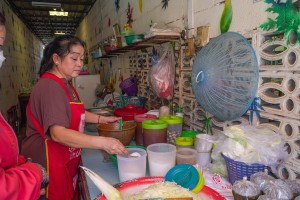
(244, 189)
(278, 189)
(294, 186)
(162, 75)
(261, 178)
(261, 145)
(265, 197)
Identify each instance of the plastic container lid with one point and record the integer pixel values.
(200, 184)
(185, 175)
(171, 119)
(189, 133)
(154, 124)
(184, 141)
(128, 112)
(143, 117)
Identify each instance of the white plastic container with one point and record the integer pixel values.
(203, 158)
(203, 143)
(161, 158)
(132, 167)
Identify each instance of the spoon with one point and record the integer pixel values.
(120, 124)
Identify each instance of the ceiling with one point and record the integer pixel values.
(36, 16)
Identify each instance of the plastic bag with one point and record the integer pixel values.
(162, 75)
(261, 145)
(156, 30)
(278, 189)
(261, 178)
(218, 183)
(294, 186)
(244, 189)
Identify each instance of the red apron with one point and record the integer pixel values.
(62, 161)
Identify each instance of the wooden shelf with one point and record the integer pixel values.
(145, 43)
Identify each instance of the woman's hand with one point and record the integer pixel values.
(42, 191)
(109, 119)
(113, 146)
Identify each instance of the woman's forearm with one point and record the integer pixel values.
(76, 139)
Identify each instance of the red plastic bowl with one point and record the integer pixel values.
(133, 186)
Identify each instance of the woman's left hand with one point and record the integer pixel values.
(109, 119)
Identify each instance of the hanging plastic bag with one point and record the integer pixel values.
(162, 75)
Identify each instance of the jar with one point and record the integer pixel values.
(189, 133)
(139, 140)
(186, 156)
(154, 131)
(127, 113)
(184, 142)
(179, 112)
(174, 127)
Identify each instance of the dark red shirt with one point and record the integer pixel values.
(50, 106)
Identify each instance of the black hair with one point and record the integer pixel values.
(61, 45)
(2, 19)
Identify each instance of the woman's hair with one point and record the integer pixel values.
(61, 45)
(2, 19)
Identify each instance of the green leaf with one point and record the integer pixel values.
(226, 17)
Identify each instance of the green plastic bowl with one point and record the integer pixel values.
(129, 38)
(114, 156)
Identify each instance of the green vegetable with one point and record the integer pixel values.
(226, 17)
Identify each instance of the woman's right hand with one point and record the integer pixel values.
(113, 146)
(43, 191)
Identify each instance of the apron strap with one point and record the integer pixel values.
(35, 122)
(60, 82)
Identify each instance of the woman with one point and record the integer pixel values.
(18, 179)
(56, 117)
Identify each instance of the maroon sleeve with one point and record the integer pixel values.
(20, 182)
(50, 105)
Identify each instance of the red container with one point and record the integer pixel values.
(139, 139)
(127, 113)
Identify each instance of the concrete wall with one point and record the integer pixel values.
(184, 14)
(23, 53)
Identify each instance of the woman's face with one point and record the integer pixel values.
(2, 35)
(71, 65)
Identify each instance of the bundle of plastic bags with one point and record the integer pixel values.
(250, 145)
(162, 74)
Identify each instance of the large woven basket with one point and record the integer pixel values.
(237, 170)
(125, 135)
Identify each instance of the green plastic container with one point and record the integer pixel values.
(189, 133)
(185, 142)
(154, 131)
(130, 38)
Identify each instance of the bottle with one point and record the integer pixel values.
(179, 112)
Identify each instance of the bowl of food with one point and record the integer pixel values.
(155, 186)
